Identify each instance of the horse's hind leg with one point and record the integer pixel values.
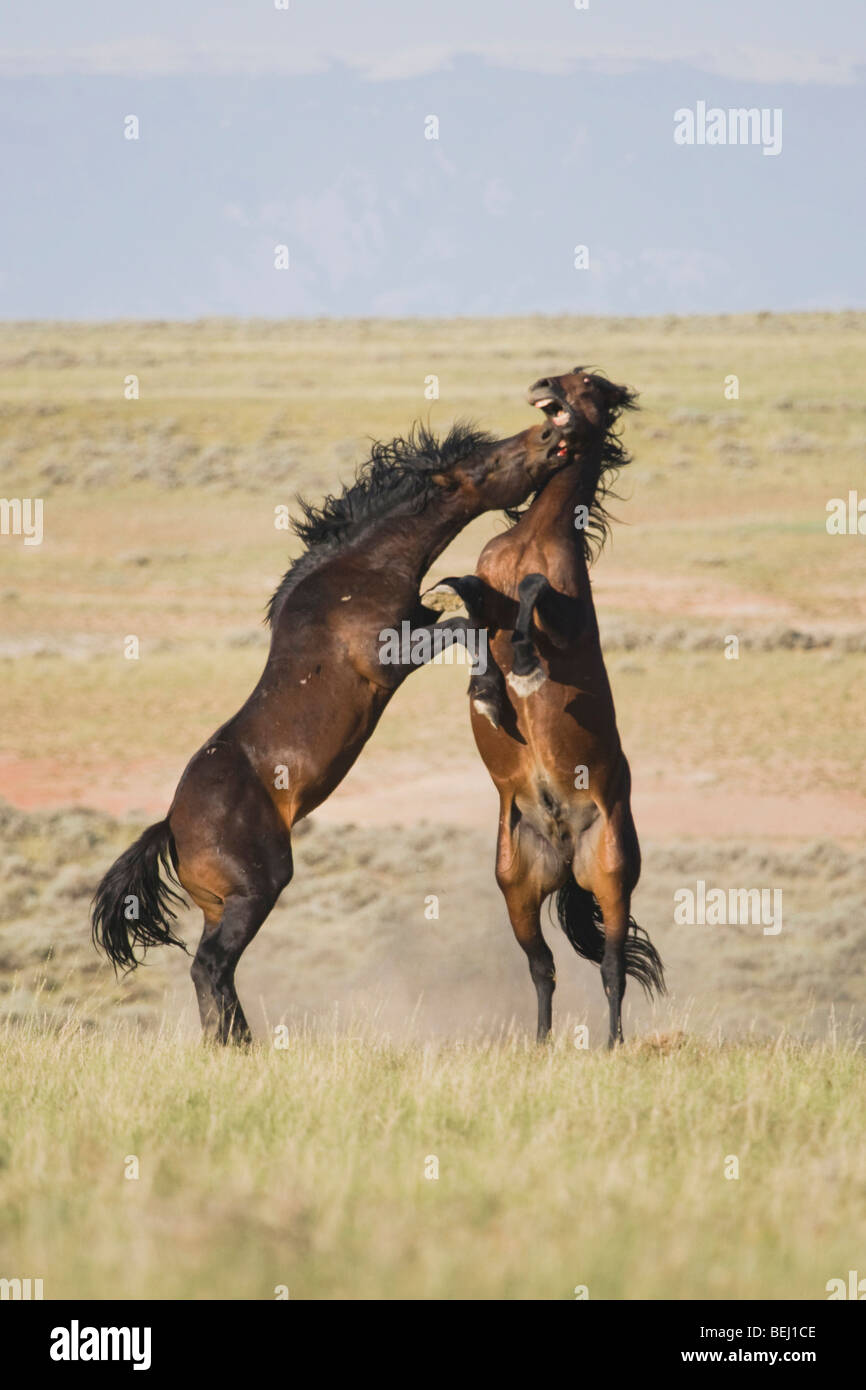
(223, 941)
(615, 917)
(614, 875)
(233, 855)
(526, 874)
(524, 910)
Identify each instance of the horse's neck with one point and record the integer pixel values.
(409, 543)
(554, 512)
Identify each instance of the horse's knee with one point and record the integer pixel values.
(531, 586)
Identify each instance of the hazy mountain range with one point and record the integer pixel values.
(245, 145)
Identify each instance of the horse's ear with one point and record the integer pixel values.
(445, 482)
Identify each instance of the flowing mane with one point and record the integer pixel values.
(400, 473)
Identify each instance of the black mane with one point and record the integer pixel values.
(601, 465)
(399, 473)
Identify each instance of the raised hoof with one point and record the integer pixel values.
(525, 685)
(482, 705)
(442, 598)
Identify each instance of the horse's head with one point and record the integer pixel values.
(504, 472)
(587, 405)
(583, 403)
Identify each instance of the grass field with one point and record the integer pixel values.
(304, 1167)
(307, 1168)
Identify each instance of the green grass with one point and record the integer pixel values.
(305, 1167)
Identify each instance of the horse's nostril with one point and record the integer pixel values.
(545, 434)
(545, 381)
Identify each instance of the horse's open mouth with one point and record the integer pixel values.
(558, 411)
(560, 448)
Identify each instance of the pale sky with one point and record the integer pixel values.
(305, 127)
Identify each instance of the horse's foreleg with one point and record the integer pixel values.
(487, 692)
(487, 683)
(527, 672)
(560, 616)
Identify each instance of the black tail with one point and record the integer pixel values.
(580, 918)
(132, 905)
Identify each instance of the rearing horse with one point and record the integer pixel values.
(547, 731)
(227, 835)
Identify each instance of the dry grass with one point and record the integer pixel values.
(305, 1167)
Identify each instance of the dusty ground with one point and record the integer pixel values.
(351, 936)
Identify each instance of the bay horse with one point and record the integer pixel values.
(543, 714)
(226, 839)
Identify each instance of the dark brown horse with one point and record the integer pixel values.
(547, 731)
(227, 836)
